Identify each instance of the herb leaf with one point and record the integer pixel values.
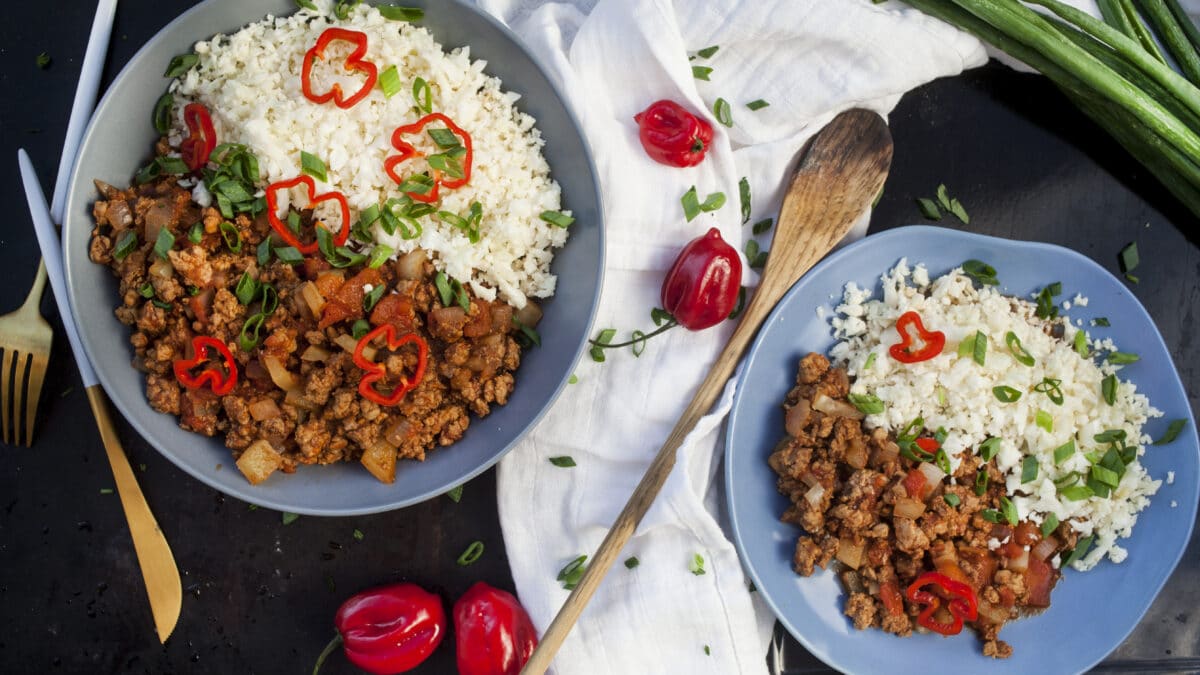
(708, 52)
(929, 208)
(632, 562)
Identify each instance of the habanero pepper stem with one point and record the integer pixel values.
(221, 383)
(932, 342)
(285, 233)
(354, 62)
(377, 371)
(407, 151)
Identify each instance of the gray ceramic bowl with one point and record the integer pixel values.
(120, 139)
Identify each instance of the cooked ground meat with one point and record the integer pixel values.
(322, 418)
(862, 499)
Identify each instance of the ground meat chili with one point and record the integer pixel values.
(297, 397)
(911, 552)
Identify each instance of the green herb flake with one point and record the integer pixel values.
(164, 243)
(181, 64)
(43, 60)
(762, 226)
(106, 491)
(1064, 452)
(263, 252)
(372, 297)
(1009, 510)
(289, 518)
(713, 202)
(472, 553)
(126, 243)
(632, 562)
(1172, 432)
(979, 349)
(870, 360)
(1006, 394)
(573, 379)
(929, 208)
(707, 52)
(358, 534)
(959, 212)
(1101, 321)
(1129, 258)
(162, 113)
(455, 493)
(423, 96)
(696, 564)
(564, 462)
(744, 198)
(981, 482)
(398, 13)
(1081, 343)
(1049, 524)
(1108, 389)
(952, 499)
(691, 204)
(757, 104)
(723, 113)
(741, 304)
(701, 72)
(557, 219)
(707, 651)
(313, 166)
(289, 255)
(1029, 469)
(572, 572)
(868, 404)
(1017, 350)
(1076, 493)
(1044, 420)
(943, 196)
(1122, 358)
(1081, 548)
(981, 272)
(306, 4)
(389, 82)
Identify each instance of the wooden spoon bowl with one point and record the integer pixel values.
(840, 172)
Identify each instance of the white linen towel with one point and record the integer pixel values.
(809, 59)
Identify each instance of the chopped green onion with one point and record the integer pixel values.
(762, 226)
(1017, 350)
(196, 233)
(1064, 451)
(162, 113)
(1172, 432)
(359, 329)
(443, 287)
(313, 166)
(1108, 388)
(952, 499)
(638, 338)
(342, 9)
(248, 338)
(263, 252)
(358, 535)
(632, 562)
(1029, 469)
(447, 164)
(870, 361)
(43, 60)
(573, 379)
(444, 138)
(1101, 321)
(270, 298)
(380, 255)
(1006, 394)
(979, 348)
(164, 243)
(991, 515)
(454, 493)
(929, 208)
(1129, 257)
(696, 565)
(423, 95)
(564, 462)
(161, 304)
(1081, 548)
(1049, 524)
(959, 212)
(1081, 343)
(247, 289)
(373, 296)
(557, 219)
(172, 165)
(1052, 388)
(289, 518)
(1044, 420)
(147, 290)
(604, 337)
(1105, 475)
(289, 255)
(707, 52)
(943, 196)
(744, 198)
(1009, 510)
(126, 243)
(1076, 493)
(723, 113)
(572, 572)
(981, 482)
(981, 272)
(1046, 309)
(942, 460)
(398, 13)
(741, 304)
(389, 82)
(306, 4)
(701, 72)
(472, 553)
(1110, 436)
(529, 334)
(1122, 358)
(181, 64)
(868, 404)
(691, 204)
(757, 104)
(713, 202)
(232, 237)
(988, 448)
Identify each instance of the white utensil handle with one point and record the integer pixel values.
(52, 254)
(85, 99)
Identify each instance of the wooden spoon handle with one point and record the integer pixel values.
(842, 170)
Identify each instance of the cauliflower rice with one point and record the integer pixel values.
(250, 81)
(955, 392)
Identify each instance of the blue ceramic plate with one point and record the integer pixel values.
(121, 138)
(1091, 613)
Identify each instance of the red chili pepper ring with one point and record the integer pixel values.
(354, 61)
(407, 151)
(222, 382)
(377, 371)
(285, 232)
(959, 598)
(932, 342)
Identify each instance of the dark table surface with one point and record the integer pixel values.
(259, 595)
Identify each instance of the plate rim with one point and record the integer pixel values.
(265, 500)
(829, 656)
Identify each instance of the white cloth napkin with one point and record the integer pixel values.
(810, 59)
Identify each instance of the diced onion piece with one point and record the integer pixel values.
(314, 353)
(296, 398)
(162, 268)
(312, 298)
(992, 613)
(259, 461)
(282, 377)
(411, 265)
(810, 479)
(1045, 548)
(933, 474)
(796, 417)
(836, 408)
(529, 315)
(907, 507)
(1019, 563)
(380, 460)
(814, 494)
(397, 432)
(850, 552)
(347, 342)
(856, 454)
(264, 409)
(853, 582)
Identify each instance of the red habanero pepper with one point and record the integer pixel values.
(407, 151)
(377, 371)
(673, 136)
(702, 286)
(286, 233)
(198, 146)
(390, 629)
(493, 632)
(221, 382)
(959, 598)
(931, 341)
(354, 61)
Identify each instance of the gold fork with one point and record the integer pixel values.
(25, 338)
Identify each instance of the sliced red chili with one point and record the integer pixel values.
(354, 62)
(407, 151)
(376, 371)
(285, 233)
(202, 138)
(957, 596)
(221, 381)
(931, 342)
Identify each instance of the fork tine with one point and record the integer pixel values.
(37, 375)
(18, 382)
(5, 383)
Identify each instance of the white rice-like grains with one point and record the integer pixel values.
(956, 393)
(250, 82)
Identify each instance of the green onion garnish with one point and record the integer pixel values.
(162, 113)
(1044, 420)
(389, 82)
(43, 60)
(952, 499)
(530, 337)
(632, 562)
(988, 448)
(147, 290)
(164, 243)
(181, 64)
(604, 337)
(232, 237)
(471, 554)
(981, 482)
(762, 225)
(557, 219)
(991, 515)
(247, 289)
(1006, 394)
(929, 208)
(1029, 469)
(979, 348)
(306, 4)
(263, 252)
(1009, 510)
(1064, 451)
(172, 165)
(447, 164)
(707, 52)
(380, 255)
(1122, 358)
(313, 166)
(248, 338)
(981, 272)
(564, 462)
(744, 198)
(1076, 493)
(196, 233)
(870, 361)
(701, 72)
(1052, 388)
(126, 243)
(423, 95)
(444, 138)
(691, 204)
(1108, 388)
(1019, 352)
(1049, 524)
(713, 202)
(289, 255)
(868, 404)
(1081, 548)
(1105, 475)
(373, 297)
(398, 13)
(1101, 321)
(443, 287)
(723, 113)
(572, 572)
(1129, 257)
(757, 104)
(1081, 344)
(696, 565)
(359, 329)
(288, 518)
(454, 493)
(1172, 432)
(1046, 309)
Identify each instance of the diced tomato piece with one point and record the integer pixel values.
(336, 311)
(893, 602)
(1027, 534)
(199, 304)
(315, 264)
(1039, 579)
(916, 485)
(346, 303)
(397, 310)
(1007, 597)
(980, 564)
(328, 283)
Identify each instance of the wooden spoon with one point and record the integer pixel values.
(842, 169)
